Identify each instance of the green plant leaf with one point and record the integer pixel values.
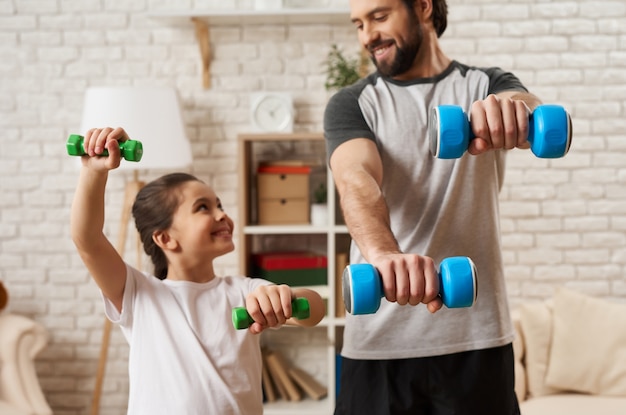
(340, 71)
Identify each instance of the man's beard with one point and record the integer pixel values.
(405, 56)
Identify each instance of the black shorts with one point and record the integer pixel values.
(480, 382)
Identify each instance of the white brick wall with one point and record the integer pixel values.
(564, 221)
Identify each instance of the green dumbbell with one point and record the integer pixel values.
(300, 310)
(131, 150)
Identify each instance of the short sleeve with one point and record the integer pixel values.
(127, 301)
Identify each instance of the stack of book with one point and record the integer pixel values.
(287, 382)
(294, 268)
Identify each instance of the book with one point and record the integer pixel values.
(284, 169)
(280, 374)
(281, 260)
(269, 389)
(293, 162)
(309, 385)
(341, 262)
(338, 363)
(281, 392)
(293, 277)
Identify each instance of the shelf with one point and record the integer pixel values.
(303, 407)
(281, 137)
(203, 20)
(293, 229)
(323, 290)
(258, 17)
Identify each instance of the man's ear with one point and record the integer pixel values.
(164, 240)
(424, 8)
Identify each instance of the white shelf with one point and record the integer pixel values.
(203, 20)
(303, 407)
(293, 229)
(258, 17)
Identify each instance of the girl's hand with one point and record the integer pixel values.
(269, 306)
(97, 140)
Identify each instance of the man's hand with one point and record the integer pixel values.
(409, 279)
(499, 123)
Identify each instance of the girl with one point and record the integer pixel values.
(185, 355)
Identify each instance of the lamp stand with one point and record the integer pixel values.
(131, 189)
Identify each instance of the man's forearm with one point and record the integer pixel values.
(368, 223)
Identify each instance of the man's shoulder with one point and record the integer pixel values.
(465, 69)
(355, 89)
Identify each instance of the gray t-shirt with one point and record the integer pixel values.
(439, 208)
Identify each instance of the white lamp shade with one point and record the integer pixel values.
(151, 115)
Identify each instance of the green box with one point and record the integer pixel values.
(296, 277)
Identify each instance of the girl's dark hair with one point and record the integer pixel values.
(153, 211)
(440, 14)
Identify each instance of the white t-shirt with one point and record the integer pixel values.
(185, 355)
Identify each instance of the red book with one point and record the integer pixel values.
(284, 169)
(289, 260)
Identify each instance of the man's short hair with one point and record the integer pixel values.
(439, 17)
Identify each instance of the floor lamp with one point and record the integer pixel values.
(151, 115)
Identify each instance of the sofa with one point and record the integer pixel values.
(21, 340)
(570, 355)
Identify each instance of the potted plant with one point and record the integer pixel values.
(319, 208)
(342, 71)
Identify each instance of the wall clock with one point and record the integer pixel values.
(272, 112)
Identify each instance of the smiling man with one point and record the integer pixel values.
(406, 211)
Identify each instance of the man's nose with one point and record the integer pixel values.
(369, 35)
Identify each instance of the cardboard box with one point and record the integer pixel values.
(296, 268)
(283, 195)
(283, 211)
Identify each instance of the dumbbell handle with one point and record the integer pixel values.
(363, 289)
(300, 310)
(549, 131)
(131, 150)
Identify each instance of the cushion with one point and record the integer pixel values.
(574, 404)
(588, 345)
(536, 323)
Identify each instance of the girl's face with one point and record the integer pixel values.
(200, 225)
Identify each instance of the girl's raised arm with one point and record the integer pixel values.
(87, 218)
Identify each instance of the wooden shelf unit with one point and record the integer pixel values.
(334, 234)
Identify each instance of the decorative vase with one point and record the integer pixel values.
(319, 214)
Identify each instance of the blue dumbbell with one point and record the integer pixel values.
(363, 289)
(549, 135)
